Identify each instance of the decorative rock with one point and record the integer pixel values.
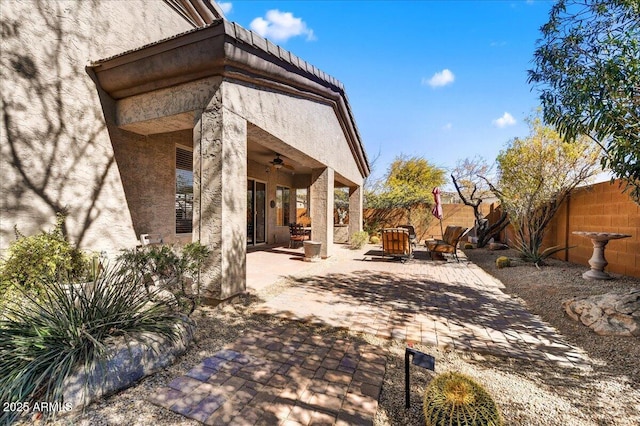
(607, 314)
(498, 246)
(127, 363)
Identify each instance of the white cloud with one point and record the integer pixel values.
(281, 26)
(440, 79)
(226, 7)
(504, 121)
(447, 126)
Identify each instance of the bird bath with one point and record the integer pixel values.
(598, 261)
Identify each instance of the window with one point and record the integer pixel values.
(184, 191)
(282, 206)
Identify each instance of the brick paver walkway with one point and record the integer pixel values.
(288, 377)
(281, 376)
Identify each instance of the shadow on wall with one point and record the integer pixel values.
(222, 221)
(57, 156)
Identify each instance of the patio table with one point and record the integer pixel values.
(598, 261)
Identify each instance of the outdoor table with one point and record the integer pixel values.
(598, 261)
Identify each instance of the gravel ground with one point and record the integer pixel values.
(605, 393)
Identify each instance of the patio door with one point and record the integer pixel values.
(256, 212)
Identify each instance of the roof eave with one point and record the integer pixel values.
(228, 50)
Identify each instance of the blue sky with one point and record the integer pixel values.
(445, 80)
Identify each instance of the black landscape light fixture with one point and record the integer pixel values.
(420, 359)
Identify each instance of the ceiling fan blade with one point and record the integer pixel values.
(287, 166)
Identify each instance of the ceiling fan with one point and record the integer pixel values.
(278, 163)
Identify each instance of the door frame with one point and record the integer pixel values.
(251, 240)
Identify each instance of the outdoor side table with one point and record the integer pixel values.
(598, 261)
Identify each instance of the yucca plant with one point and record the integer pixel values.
(43, 340)
(453, 399)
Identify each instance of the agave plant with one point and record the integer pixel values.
(44, 339)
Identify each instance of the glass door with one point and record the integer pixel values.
(256, 212)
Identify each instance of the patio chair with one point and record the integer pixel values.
(396, 243)
(297, 234)
(412, 234)
(449, 242)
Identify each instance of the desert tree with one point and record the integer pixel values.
(407, 187)
(587, 71)
(469, 178)
(535, 175)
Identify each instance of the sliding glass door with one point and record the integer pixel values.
(256, 212)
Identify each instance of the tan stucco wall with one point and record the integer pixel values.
(55, 150)
(147, 169)
(309, 127)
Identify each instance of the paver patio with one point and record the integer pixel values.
(287, 376)
(453, 305)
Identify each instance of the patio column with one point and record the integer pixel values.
(355, 210)
(220, 199)
(322, 209)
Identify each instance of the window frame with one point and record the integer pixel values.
(283, 207)
(180, 160)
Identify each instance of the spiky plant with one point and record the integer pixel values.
(453, 399)
(43, 340)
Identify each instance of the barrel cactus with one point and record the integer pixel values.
(453, 399)
(503, 262)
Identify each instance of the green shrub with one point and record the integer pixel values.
(503, 262)
(43, 340)
(359, 239)
(169, 268)
(455, 399)
(374, 239)
(37, 259)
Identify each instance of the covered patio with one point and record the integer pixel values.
(222, 137)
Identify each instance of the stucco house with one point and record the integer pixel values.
(160, 116)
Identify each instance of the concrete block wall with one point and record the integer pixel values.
(453, 214)
(604, 208)
(601, 207)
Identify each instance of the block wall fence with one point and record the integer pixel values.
(453, 214)
(601, 207)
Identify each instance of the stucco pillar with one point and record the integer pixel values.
(355, 210)
(322, 209)
(220, 199)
